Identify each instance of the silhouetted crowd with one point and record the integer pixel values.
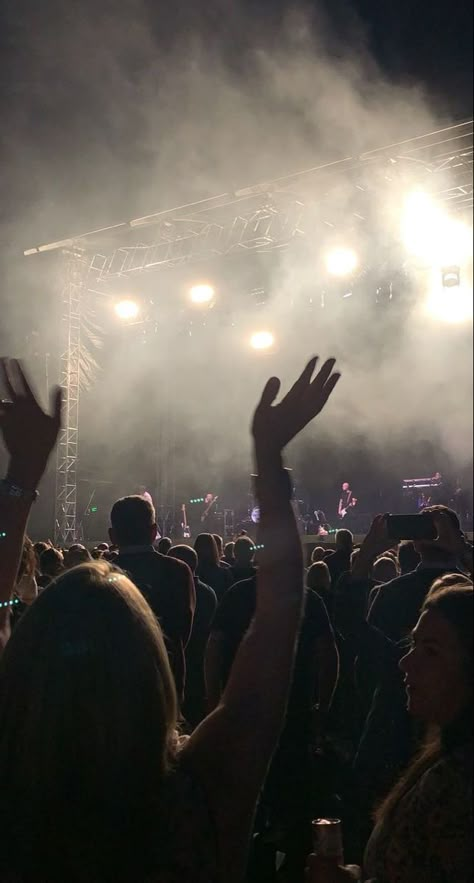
(184, 712)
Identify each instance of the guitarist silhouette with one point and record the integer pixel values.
(347, 501)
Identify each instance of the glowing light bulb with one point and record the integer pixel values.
(126, 310)
(262, 340)
(341, 262)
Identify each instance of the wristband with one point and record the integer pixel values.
(15, 492)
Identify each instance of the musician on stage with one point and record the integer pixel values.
(347, 501)
(208, 517)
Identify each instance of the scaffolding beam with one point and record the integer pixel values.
(68, 446)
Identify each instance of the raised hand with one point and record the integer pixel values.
(29, 433)
(276, 425)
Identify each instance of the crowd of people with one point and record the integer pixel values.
(181, 714)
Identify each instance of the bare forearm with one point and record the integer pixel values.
(13, 520)
(262, 671)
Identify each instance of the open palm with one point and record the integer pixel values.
(276, 425)
(29, 433)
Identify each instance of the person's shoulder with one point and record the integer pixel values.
(239, 601)
(205, 592)
(169, 565)
(399, 584)
(244, 590)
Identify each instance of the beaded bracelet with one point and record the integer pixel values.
(12, 603)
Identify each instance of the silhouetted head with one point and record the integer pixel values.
(344, 540)
(317, 554)
(219, 544)
(438, 668)
(206, 550)
(319, 578)
(164, 545)
(385, 569)
(51, 562)
(244, 551)
(186, 554)
(133, 522)
(86, 731)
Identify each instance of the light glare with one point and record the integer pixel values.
(341, 262)
(431, 235)
(201, 294)
(262, 340)
(452, 305)
(127, 310)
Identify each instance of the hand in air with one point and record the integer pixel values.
(450, 538)
(377, 540)
(276, 425)
(29, 432)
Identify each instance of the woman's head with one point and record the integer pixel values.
(77, 554)
(319, 577)
(87, 711)
(438, 668)
(51, 562)
(219, 544)
(317, 554)
(206, 550)
(385, 569)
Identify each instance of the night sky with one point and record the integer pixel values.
(413, 42)
(60, 128)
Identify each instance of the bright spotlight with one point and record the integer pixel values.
(341, 262)
(453, 305)
(201, 294)
(431, 235)
(127, 310)
(262, 340)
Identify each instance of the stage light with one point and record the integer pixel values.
(262, 340)
(126, 310)
(451, 277)
(341, 262)
(431, 235)
(201, 294)
(452, 305)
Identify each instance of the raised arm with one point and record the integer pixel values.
(29, 436)
(232, 748)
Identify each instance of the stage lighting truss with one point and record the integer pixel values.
(263, 217)
(184, 240)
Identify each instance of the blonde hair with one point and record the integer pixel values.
(319, 577)
(87, 723)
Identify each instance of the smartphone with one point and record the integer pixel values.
(411, 527)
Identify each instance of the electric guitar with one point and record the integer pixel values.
(344, 512)
(208, 509)
(184, 524)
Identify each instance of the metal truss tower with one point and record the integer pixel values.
(65, 525)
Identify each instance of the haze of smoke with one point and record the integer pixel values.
(152, 125)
